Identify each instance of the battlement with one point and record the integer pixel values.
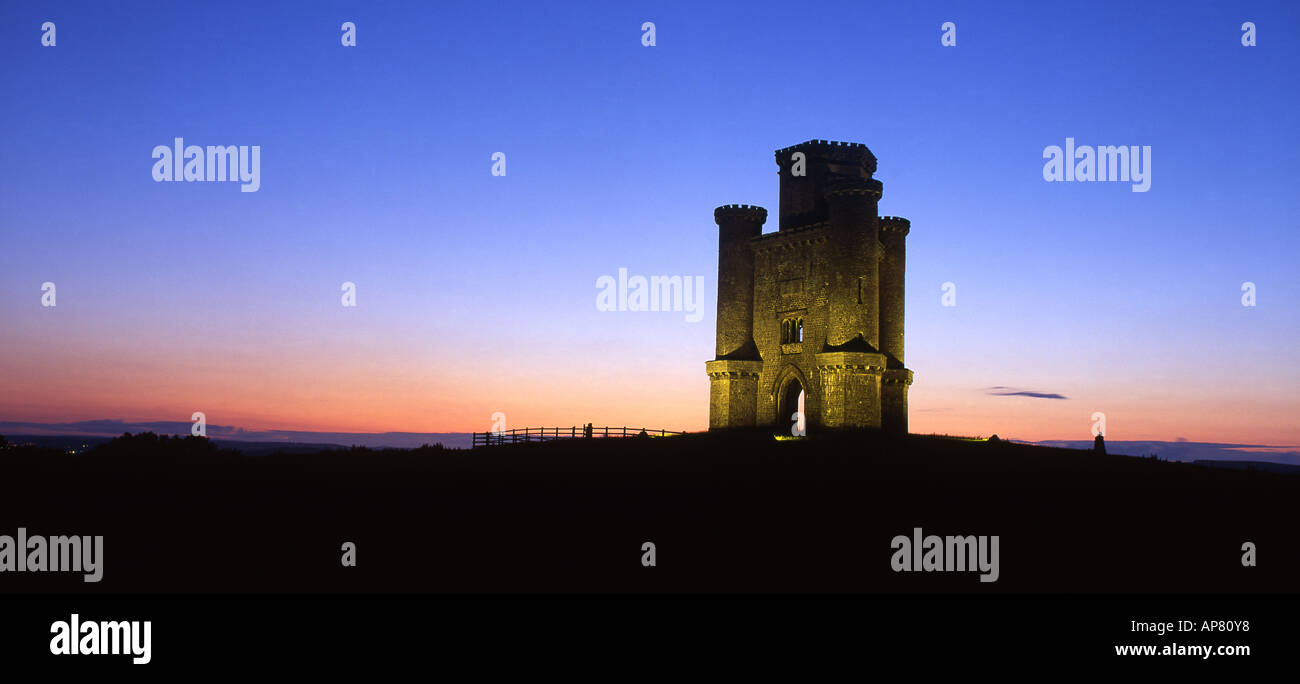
(895, 224)
(847, 147)
(795, 238)
(742, 211)
(830, 150)
(822, 143)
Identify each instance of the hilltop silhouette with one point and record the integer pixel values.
(730, 511)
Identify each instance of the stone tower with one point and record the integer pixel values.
(816, 306)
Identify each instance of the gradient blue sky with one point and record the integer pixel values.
(476, 294)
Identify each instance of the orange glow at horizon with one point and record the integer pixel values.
(274, 380)
(388, 397)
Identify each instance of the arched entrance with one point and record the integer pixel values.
(791, 417)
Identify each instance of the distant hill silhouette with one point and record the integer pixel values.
(735, 511)
(267, 441)
(226, 433)
(1263, 466)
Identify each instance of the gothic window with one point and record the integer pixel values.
(792, 330)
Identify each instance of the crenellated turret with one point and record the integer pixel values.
(893, 236)
(738, 224)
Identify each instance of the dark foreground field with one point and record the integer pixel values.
(736, 512)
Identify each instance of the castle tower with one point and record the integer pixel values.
(815, 307)
(733, 390)
(897, 378)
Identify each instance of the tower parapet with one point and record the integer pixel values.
(743, 212)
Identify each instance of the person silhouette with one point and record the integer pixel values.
(1099, 444)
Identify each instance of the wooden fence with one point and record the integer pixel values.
(546, 434)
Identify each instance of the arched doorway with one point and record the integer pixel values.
(791, 417)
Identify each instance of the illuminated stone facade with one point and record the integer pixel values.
(817, 305)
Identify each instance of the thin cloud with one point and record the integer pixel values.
(1001, 391)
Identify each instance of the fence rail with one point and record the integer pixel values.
(547, 434)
